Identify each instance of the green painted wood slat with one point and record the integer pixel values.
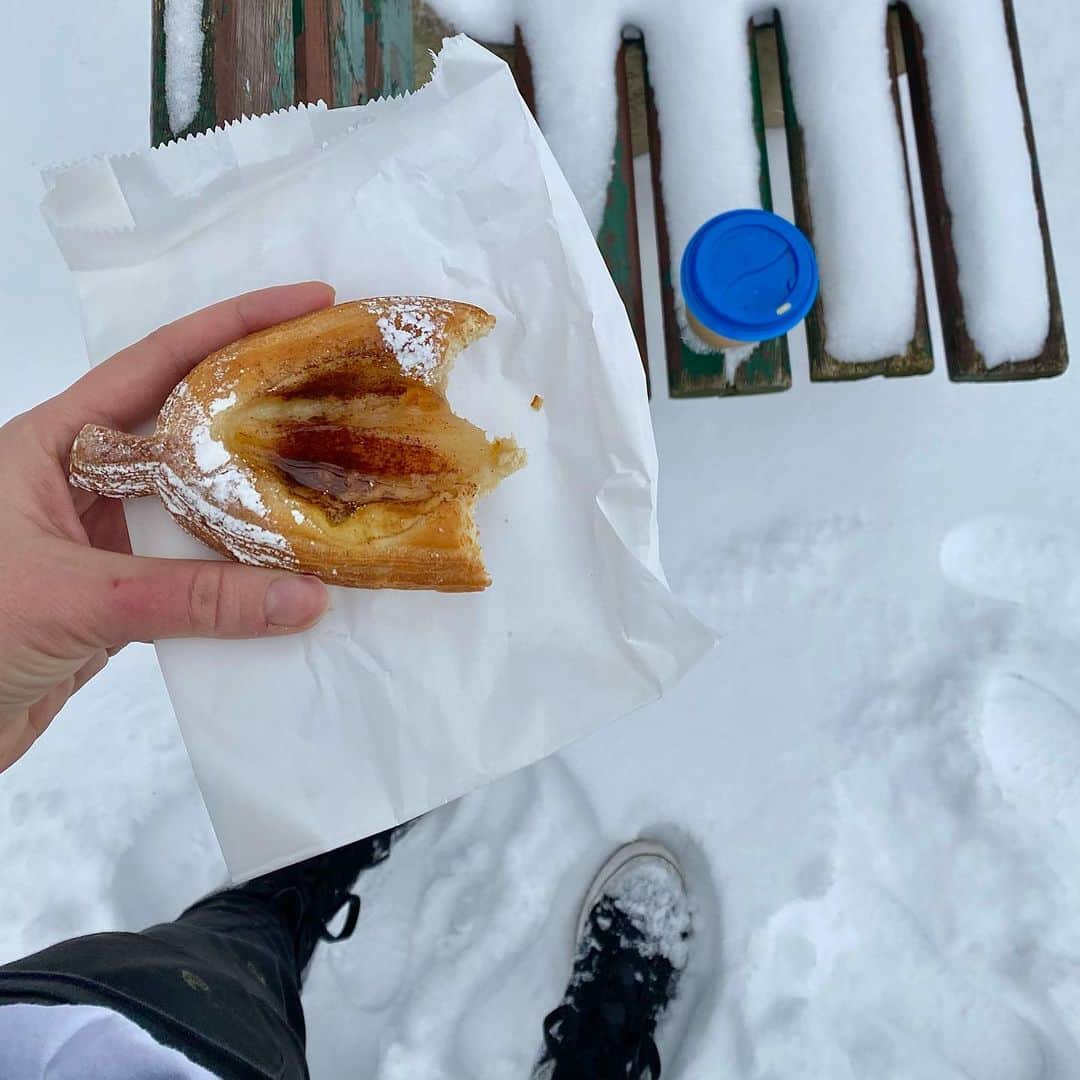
(690, 373)
(248, 63)
(262, 55)
(388, 31)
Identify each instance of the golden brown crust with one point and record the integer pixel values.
(325, 445)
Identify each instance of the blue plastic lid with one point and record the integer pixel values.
(749, 275)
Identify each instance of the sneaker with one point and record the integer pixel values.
(632, 945)
(311, 893)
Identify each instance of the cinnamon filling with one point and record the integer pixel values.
(341, 469)
(349, 437)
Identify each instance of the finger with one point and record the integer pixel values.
(150, 599)
(94, 666)
(131, 386)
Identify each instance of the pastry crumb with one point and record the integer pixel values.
(537, 402)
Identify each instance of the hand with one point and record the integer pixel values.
(71, 592)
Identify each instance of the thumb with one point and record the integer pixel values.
(150, 599)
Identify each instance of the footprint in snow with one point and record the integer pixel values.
(849, 984)
(1029, 728)
(1019, 561)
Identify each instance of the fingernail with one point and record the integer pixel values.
(293, 602)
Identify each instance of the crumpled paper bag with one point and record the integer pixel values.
(398, 702)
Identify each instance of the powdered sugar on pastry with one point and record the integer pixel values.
(218, 483)
(233, 485)
(412, 330)
(120, 466)
(226, 481)
(247, 542)
(118, 481)
(209, 453)
(222, 403)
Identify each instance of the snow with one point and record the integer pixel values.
(871, 784)
(862, 225)
(699, 68)
(652, 896)
(183, 60)
(985, 167)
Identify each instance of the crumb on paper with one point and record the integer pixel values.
(537, 403)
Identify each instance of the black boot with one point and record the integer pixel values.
(309, 894)
(633, 939)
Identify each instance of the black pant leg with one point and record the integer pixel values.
(219, 984)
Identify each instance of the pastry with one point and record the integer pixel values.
(324, 445)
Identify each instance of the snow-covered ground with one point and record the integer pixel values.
(873, 781)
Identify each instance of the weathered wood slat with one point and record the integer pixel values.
(918, 358)
(693, 374)
(965, 362)
(388, 40)
(254, 63)
(331, 52)
(248, 63)
(160, 128)
(262, 55)
(618, 235)
(311, 31)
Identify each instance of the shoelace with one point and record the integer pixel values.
(351, 918)
(605, 1031)
(311, 907)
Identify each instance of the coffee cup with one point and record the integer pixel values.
(747, 276)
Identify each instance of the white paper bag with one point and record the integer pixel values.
(400, 701)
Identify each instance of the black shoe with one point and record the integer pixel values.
(632, 946)
(310, 894)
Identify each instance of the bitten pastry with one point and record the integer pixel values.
(324, 445)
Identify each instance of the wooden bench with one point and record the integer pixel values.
(260, 55)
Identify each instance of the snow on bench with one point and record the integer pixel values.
(1000, 310)
(839, 72)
